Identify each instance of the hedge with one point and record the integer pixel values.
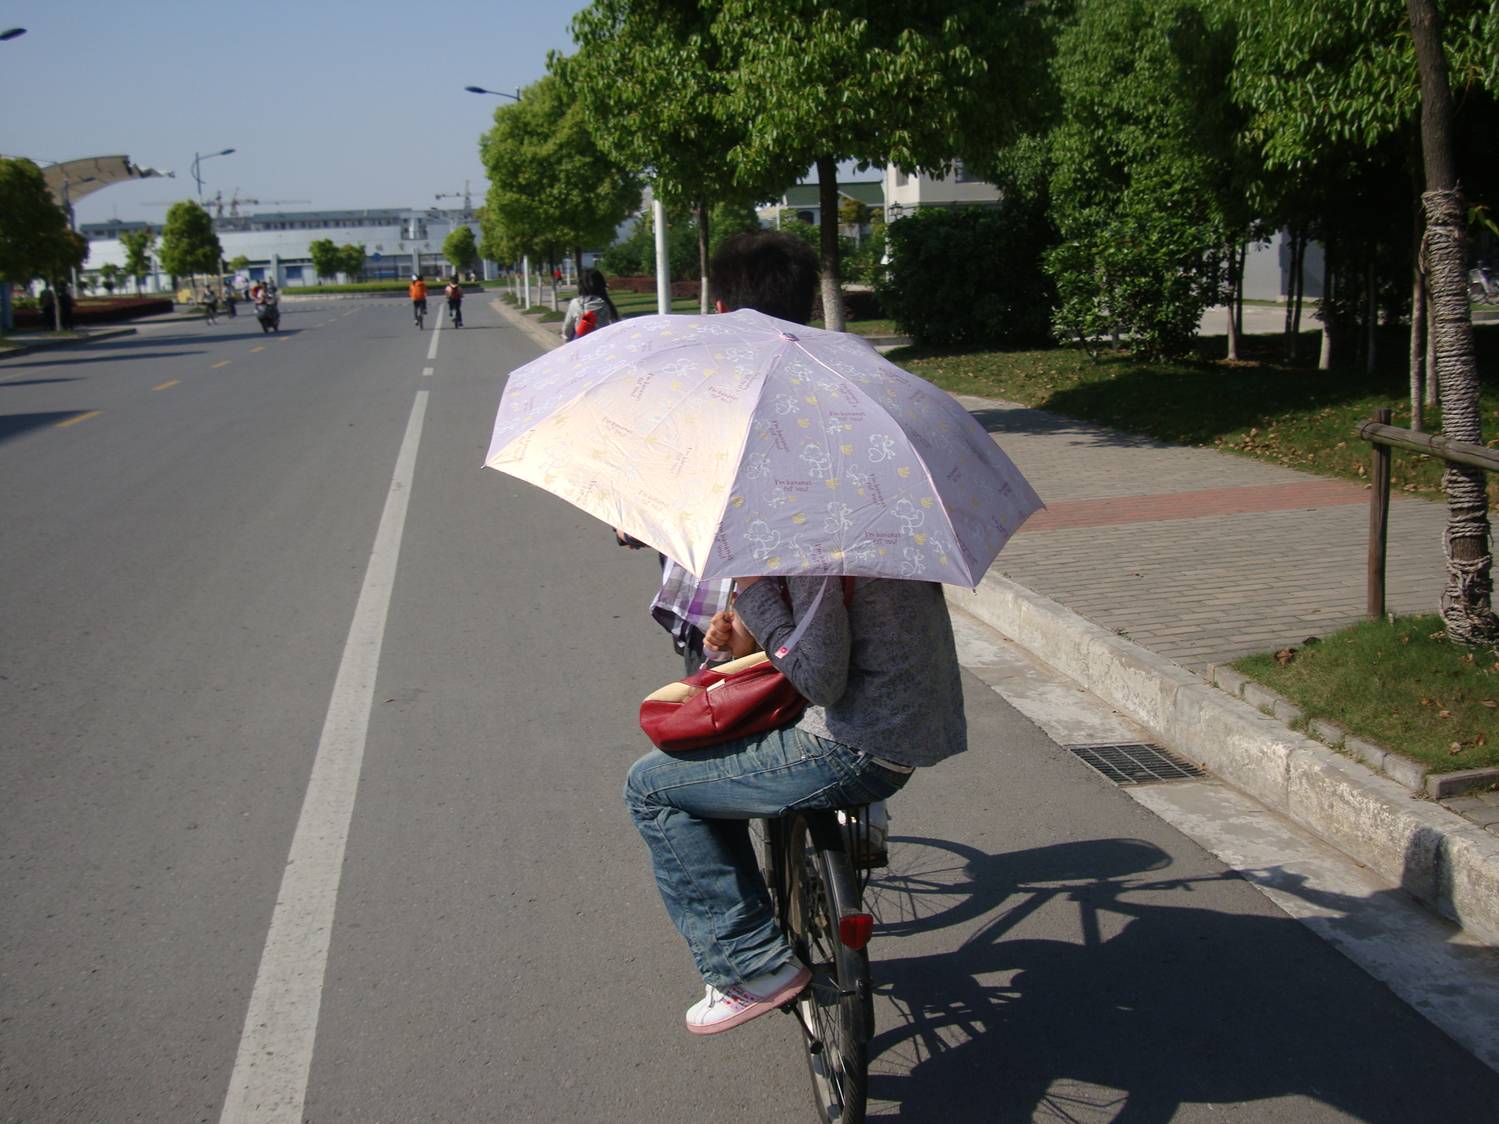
(98, 311)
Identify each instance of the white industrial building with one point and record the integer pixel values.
(397, 243)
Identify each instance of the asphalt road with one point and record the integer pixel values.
(237, 566)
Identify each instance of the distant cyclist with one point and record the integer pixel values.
(454, 293)
(418, 291)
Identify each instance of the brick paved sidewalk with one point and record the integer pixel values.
(1197, 555)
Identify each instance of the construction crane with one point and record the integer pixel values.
(218, 203)
(235, 200)
(468, 206)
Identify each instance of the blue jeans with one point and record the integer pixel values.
(693, 811)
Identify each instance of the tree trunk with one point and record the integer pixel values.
(1239, 287)
(700, 209)
(1418, 347)
(1324, 360)
(578, 263)
(1467, 608)
(1235, 322)
(1299, 281)
(827, 195)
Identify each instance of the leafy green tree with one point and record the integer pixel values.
(351, 260)
(460, 249)
(913, 84)
(1362, 77)
(35, 239)
(109, 274)
(138, 245)
(550, 186)
(654, 80)
(1144, 192)
(326, 258)
(239, 263)
(188, 242)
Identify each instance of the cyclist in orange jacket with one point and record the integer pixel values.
(418, 291)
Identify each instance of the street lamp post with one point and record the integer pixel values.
(198, 158)
(497, 93)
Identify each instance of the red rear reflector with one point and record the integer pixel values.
(855, 929)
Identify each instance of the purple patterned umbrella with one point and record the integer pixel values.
(741, 444)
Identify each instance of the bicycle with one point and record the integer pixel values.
(816, 889)
(419, 313)
(455, 313)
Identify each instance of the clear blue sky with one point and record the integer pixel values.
(343, 103)
(331, 103)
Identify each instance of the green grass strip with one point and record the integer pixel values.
(1401, 685)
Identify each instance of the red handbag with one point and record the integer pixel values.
(717, 704)
(737, 699)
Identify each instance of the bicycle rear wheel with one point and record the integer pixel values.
(838, 1006)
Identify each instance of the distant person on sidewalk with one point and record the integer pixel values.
(211, 304)
(46, 305)
(65, 305)
(591, 308)
(881, 674)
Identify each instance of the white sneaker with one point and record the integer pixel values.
(718, 1011)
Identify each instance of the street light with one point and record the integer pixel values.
(11, 33)
(198, 158)
(497, 93)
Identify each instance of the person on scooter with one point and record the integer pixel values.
(454, 293)
(418, 292)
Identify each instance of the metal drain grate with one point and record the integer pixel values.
(1136, 764)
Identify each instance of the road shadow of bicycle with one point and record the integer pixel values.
(1146, 1006)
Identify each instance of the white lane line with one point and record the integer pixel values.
(269, 1082)
(427, 372)
(436, 332)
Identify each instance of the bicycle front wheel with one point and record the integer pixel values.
(838, 1006)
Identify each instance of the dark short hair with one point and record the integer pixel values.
(767, 271)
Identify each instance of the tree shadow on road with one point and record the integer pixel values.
(1147, 1006)
(15, 425)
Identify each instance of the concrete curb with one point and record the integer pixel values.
(47, 345)
(1443, 860)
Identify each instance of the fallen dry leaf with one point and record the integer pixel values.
(1455, 748)
(1285, 656)
(1490, 703)
(1444, 714)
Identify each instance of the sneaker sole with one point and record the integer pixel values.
(755, 1010)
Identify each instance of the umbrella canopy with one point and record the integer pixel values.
(741, 444)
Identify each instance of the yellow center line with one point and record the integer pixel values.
(163, 386)
(221, 363)
(78, 418)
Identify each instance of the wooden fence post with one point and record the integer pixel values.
(1379, 521)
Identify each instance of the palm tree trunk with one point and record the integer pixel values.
(1467, 608)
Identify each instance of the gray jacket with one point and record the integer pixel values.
(881, 676)
(577, 307)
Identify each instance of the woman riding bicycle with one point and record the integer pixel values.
(881, 676)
